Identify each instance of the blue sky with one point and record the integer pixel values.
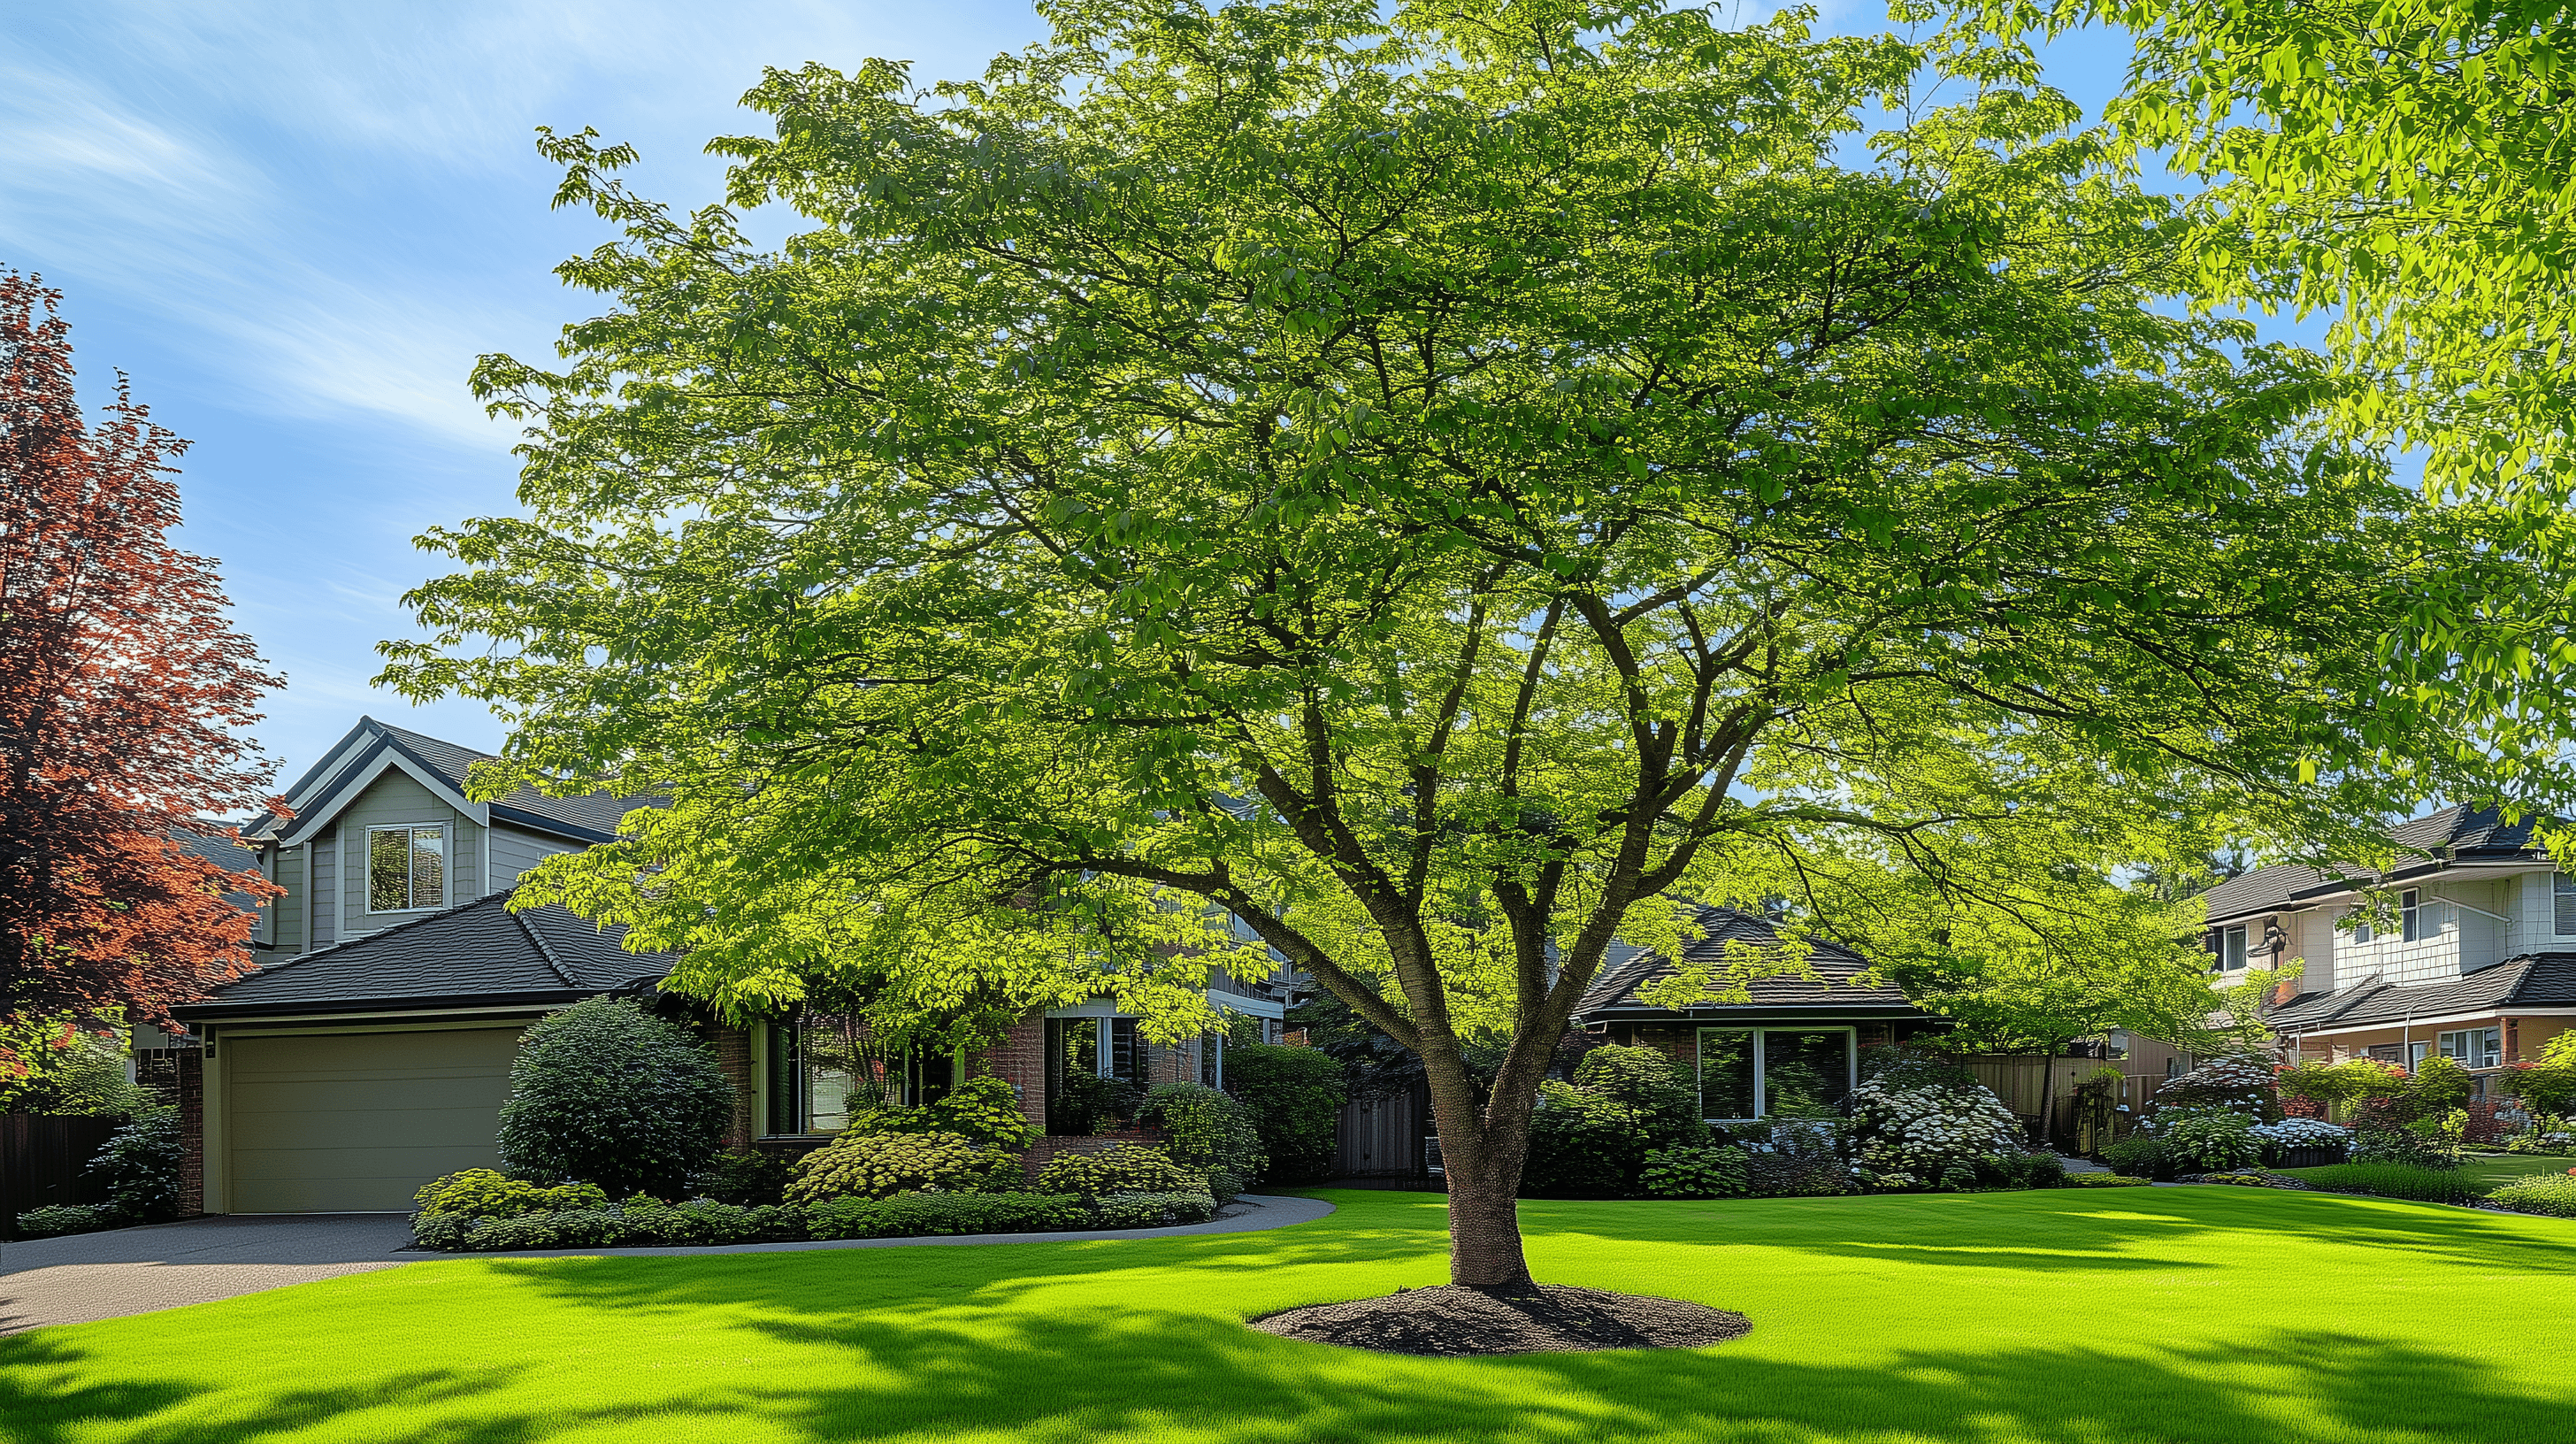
(296, 225)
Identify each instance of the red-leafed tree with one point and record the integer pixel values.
(124, 692)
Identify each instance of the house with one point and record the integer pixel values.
(2476, 961)
(1794, 1040)
(370, 1052)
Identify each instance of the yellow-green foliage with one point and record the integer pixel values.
(1123, 1168)
(483, 1193)
(880, 1165)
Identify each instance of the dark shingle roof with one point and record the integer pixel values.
(2446, 834)
(2533, 980)
(596, 812)
(1835, 984)
(592, 817)
(476, 952)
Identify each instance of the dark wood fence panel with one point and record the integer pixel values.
(1381, 1137)
(42, 1160)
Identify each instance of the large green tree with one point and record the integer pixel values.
(2401, 170)
(1420, 494)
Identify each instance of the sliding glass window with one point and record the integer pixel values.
(1748, 1073)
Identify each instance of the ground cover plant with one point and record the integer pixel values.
(1877, 1320)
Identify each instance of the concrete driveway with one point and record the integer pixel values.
(161, 1266)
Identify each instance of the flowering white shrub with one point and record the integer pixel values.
(2304, 1133)
(1930, 1130)
(2216, 1139)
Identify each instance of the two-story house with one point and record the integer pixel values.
(2465, 946)
(371, 1051)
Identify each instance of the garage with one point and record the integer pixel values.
(354, 1122)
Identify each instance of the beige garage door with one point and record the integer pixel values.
(355, 1122)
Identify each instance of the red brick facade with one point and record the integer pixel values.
(191, 1081)
(733, 1055)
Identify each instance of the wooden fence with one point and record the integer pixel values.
(1384, 1137)
(42, 1160)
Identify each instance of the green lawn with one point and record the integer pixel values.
(2119, 1315)
(2489, 1169)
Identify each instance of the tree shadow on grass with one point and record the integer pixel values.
(1147, 1374)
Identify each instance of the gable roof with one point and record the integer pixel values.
(2532, 980)
(2442, 838)
(477, 953)
(336, 780)
(1836, 985)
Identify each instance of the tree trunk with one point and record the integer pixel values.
(1481, 1152)
(2047, 1091)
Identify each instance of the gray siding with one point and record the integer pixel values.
(321, 899)
(286, 915)
(514, 852)
(395, 798)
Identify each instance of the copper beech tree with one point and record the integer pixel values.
(124, 690)
(1424, 492)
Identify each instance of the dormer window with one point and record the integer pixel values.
(406, 868)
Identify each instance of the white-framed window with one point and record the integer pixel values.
(1749, 1073)
(2410, 925)
(406, 867)
(2563, 890)
(2474, 1047)
(2231, 949)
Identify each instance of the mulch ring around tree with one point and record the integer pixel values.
(1456, 1321)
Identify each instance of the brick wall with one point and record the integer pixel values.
(191, 1084)
(1020, 1060)
(733, 1055)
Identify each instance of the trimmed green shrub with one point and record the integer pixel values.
(706, 1221)
(2550, 1193)
(1208, 1132)
(2209, 1138)
(1702, 1171)
(1296, 1097)
(1583, 1145)
(1123, 1168)
(1650, 1085)
(2102, 1180)
(139, 1167)
(1792, 1175)
(2390, 1180)
(482, 1193)
(55, 1220)
(946, 1214)
(1151, 1210)
(986, 1110)
(2038, 1170)
(745, 1176)
(2139, 1155)
(606, 1093)
(880, 1165)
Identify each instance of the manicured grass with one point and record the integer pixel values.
(2061, 1317)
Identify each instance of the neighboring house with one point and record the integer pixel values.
(1796, 1039)
(371, 1052)
(2479, 964)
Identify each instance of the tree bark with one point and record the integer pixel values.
(2047, 1087)
(1482, 1148)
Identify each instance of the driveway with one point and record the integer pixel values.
(161, 1266)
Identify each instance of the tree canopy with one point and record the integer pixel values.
(124, 695)
(1421, 494)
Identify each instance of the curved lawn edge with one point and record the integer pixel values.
(1268, 1211)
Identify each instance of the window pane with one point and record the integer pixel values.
(1805, 1072)
(2235, 944)
(2410, 928)
(2564, 884)
(1126, 1052)
(784, 1109)
(388, 871)
(1725, 1073)
(836, 1078)
(428, 867)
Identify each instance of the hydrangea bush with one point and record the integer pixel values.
(2303, 1133)
(880, 1165)
(1122, 1168)
(1931, 1133)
